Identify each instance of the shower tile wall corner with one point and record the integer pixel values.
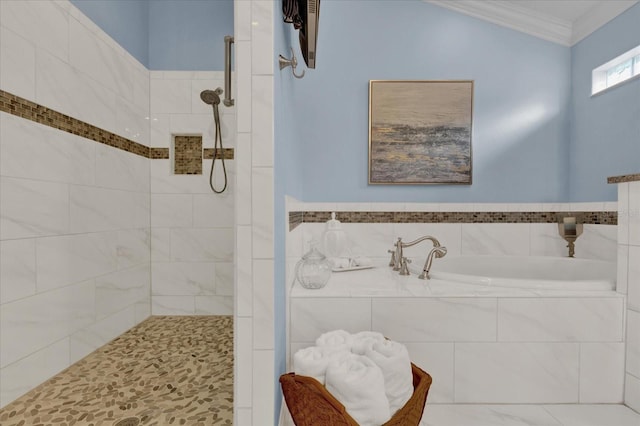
(74, 213)
(193, 239)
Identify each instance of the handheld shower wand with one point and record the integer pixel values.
(212, 97)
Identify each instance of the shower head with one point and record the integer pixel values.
(211, 97)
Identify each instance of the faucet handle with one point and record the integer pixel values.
(404, 266)
(392, 262)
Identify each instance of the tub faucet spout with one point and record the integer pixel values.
(397, 256)
(437, 252)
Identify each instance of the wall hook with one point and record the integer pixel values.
(293, 63)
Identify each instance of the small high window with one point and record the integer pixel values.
(616, 71)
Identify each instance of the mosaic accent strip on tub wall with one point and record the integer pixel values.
(594, 218)
(20, 107)
(624, 178)
(227, 153)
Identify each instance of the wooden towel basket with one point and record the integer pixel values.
(310, 404)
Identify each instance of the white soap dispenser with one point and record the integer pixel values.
(334, 239)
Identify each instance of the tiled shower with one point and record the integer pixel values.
(97, 230)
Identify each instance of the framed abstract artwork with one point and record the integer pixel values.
(420, 131)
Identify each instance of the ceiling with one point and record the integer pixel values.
(562, 21)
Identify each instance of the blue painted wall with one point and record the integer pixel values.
(521, 100)
(189, 34)
(605, 129)
(287, 181)
(166, 34)
(127, 22)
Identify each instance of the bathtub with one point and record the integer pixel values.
(553, 273)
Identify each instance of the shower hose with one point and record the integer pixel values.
(217, 152)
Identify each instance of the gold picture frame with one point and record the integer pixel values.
(420, 132)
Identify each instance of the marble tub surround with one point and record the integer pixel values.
(166, 370)
(479, 343)
(629, 279)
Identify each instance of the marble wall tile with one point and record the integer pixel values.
(632, 392)
(560, 319)
(244, 271)
(171, 210)
(170, 96)
(545, 240)
(99, 60)
(622, 274)
(497, 239)
(437, 360)
(224, 279)
(70, 259)
(118, 169)
(244, 82)
(432, 320)
(263, 308)
(262, 212)
(45, 24)
(34, 151)
(173, 305)
(159, 130)
(118, 290)
(30, 208)
(163, 181)
(90, 338)
(213, 305)
(95, 209)
(634, 213)
(132, 121)
(142, 310)
(512, 373)
(17, 65)
(486, 415)
(623, 213)
(183, 278)
(133, 247)
(17, 269)
(214, 210)
(243, 375)
(20, 377)
(598, 242)
(160, 244)
(633, 343)
(262, 406)
(61, 87)
(243, 180)
(262, 120)
(592, 415)
(30, 324)
(633, 290)
(242, 24)
(261, 38)
(312, 317)
(601, 373)
(202, 244)
(364, 239)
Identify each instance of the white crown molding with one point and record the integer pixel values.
(512, 16)
(509, 14)
(597, 17)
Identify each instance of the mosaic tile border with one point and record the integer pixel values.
(187, 153)
(20, 107)
(593, 218)
(227, 153)
(624, 178)
(23, 108)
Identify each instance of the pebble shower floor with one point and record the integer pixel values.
(167, 370)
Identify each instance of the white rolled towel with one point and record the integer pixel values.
(358, 384)
(335, 341)
(393, 359)
(313, 361)
(364, 340)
